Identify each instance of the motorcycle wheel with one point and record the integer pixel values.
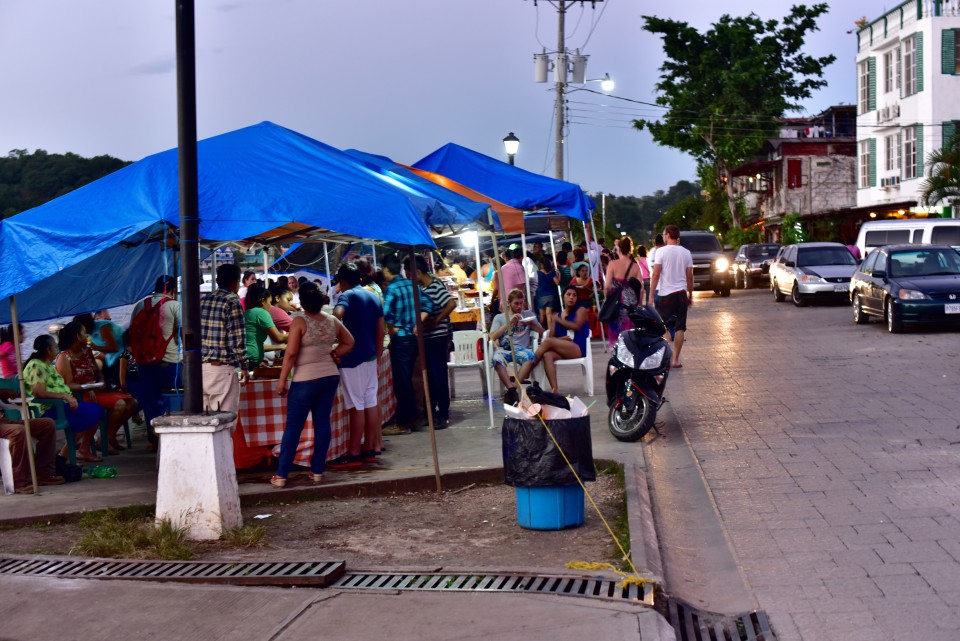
(631, 426)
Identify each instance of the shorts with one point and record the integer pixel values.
(550, 300)
(674, 305)
(520, 356)
(359, 385)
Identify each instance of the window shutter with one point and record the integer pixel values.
(949, 131)
(919, 58)
(873, 162)
(872, 84)
(948, 52)
(900, 154)
(919, 144)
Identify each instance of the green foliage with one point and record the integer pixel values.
(738, 237)
(114, 533)
(29, 180)
(791, 229)
(248, 536)
(686, 214)
(944, 180)
(724, 89)
(638, 215)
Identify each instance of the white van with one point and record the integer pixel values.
(915, 231)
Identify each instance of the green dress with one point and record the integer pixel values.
(256, 323)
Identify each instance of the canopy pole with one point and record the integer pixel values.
(553, 249)
(266, 266)
(596, 292)
(483, 330)
(213, 270)
(189, 205)
(373, 246)
(326, 263)
(415, 282)
(526, 279)
(24, 410)
(503, 310)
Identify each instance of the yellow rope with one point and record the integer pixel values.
(627, 579)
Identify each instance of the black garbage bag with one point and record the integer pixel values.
(537, 395)
(530, 458)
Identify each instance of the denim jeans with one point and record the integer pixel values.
(313, 397)
(403, 354)
(437, 352)
(154, 380)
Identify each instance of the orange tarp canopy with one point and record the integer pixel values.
(511, 218)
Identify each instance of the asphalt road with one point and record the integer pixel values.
(831, 453)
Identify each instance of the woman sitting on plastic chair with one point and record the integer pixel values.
(568, 336)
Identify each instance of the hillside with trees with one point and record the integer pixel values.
(638, 215)
(31, 179)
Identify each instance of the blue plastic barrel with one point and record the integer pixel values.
(549, 508)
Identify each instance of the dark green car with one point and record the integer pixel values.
(908, 284)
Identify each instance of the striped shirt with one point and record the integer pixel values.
(222, 329)
(437, 292)
(398, 309)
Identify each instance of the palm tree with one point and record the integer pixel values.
(944, 180)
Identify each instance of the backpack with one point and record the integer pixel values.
(147, 344)
(610, 310)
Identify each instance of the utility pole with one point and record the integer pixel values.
(561, 76)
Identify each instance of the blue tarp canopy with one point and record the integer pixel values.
(460, 210)
(262, 184)
(508, 184)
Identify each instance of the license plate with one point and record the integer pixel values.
(951, 308)
(840, 288)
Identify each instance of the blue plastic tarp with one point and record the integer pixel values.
(459, 210)
(251, 181)
(509, 184)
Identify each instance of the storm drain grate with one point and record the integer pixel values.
(308, 573)
(692, 624)
(479, 582)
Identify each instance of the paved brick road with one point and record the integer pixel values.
(833, 454)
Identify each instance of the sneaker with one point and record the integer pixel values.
(396, 430)
(345, 463)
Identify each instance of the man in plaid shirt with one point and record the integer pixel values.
(400, 316)
(223, 344)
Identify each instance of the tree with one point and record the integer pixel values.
(944, 180)
(725, 89)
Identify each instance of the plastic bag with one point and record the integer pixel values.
(530, 458)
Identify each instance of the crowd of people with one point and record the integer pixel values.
(95, 371)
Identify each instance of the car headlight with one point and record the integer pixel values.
(912, 294)
(810, 278)
(623, 354)
(653, 361)
(721, 265)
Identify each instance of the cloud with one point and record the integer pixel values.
(157, 67)
(230, 6)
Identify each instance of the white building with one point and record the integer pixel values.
(908, 100)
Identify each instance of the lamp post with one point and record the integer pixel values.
(511, 145)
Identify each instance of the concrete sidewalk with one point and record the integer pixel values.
(468, 451)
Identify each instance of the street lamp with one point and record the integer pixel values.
(511, 144)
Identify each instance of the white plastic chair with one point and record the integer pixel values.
(586, 363)
(464, 355)
(6, 466)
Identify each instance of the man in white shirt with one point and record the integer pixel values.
(672, 280)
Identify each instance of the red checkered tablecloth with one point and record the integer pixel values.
(263, 416)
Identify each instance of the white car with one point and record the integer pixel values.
(812, 271)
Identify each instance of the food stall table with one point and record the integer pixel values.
(263, 415)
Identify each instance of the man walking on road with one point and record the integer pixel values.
(672, 283)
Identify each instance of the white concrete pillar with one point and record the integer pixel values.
(197, 482)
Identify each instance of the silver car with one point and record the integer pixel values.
(812, 271)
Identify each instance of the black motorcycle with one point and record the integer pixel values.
(637, 374)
